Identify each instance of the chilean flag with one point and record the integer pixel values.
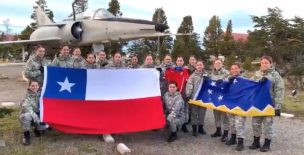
(101, 101)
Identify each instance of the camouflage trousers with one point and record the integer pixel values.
(267, 122)
(221, 118)
(27, 119)
(237, 125)
(197, 115)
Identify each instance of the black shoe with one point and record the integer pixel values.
(217, 133)
(194, 130)
(224, 137)
(201, 130)
(255, 144)
(240, 144)
(37, 132)
(232, 140)
(184, 128)
(26, 138)
(172, 137)
(266, 146)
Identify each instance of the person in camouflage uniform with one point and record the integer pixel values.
(90, 61)
(34, 66)
(267, 71)
(197, 113)
(102, 60)
(174, 109)
(134, 62)
(78, 60)
(219, 74)
(30, 112)
(117, 62)
(237, 123)
(149, 63)
(63, 59)
(192, 62)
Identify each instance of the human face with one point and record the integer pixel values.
(172, 88)
(40, 52)
(102, 56)
(117, 58)
(235, 70)
(179, 61)
(167, 59)
(217, 64)
(65, 51)
(192, 61)
(91, 59)
(134, 60)
(77, 53)
(34, 86)
(149, 60)
(265, 64)
(199, 66)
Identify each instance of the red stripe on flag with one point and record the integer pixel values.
(104, 117)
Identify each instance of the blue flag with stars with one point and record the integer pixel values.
(240, 96)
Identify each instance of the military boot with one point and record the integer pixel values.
(266, 146)
(172, 137)
(224, 137)
(201, 130)
(184, 128)
(194, 130)
(217, 133)
(240, 144)
(26, 138)
(255, 144)
(232, 140)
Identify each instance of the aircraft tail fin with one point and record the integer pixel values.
(41, 17)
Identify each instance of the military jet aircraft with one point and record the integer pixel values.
(90, 27)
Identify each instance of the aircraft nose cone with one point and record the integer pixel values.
(161, 27)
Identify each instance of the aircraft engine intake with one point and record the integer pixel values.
(76, 30)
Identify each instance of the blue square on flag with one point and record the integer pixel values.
(65, 83)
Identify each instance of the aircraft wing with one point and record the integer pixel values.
(34, 41)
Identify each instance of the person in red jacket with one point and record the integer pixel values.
(180, 75)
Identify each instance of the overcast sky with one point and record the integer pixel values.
(239, 11)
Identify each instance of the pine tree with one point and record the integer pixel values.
(112, 47)
(213, 36)
(228, 44)
(188, 44)
(114, 8)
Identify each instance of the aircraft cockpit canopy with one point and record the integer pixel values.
(94, 14)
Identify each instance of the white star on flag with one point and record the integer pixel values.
(213, 83)
(209, 91)
(66, 85)
(235, 81)
(220, 97)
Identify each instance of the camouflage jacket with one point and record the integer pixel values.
(191, 68)
(79, 63)
(148, 66)
(90, 66)
(174, 107)
(134, 66)
(277, 86)
(61, 61)
(30, 104)
(221, 74)
(101, 64)
(193, 83)
(164, 66)
(114, 66)
(32, 68)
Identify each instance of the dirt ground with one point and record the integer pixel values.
(288, 138)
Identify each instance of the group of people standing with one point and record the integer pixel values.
(225, 123)
(178, 84)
